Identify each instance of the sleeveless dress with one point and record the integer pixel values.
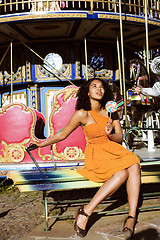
(103, 157)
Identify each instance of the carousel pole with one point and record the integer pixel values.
(150, 132)
(147, 42)
(144, 55)
(123, 71)
(11, 73)
(119, 66)
(86, 60)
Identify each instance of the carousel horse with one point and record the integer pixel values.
(143, 104)
(138, 104)
(155, 90)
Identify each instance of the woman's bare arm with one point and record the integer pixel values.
(75, 121)
(118, 135)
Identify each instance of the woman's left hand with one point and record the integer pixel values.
(109, 128)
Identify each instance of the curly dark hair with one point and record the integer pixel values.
(83, 100)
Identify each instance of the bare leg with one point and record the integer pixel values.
(107, 189)
(133, 189)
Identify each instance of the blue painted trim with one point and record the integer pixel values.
(114, 76)
(88, 16)
(2, 177)
(28, 166)
(33, 68)
(43, 100)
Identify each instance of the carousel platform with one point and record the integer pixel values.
(146, 154)
(142, 151)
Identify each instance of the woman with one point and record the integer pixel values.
(106, 160)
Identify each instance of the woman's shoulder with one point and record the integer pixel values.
(82, 116)
(82, 113)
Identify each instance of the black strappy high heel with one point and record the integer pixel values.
(80, 232)
(126, 230)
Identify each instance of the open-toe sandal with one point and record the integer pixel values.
(80, 232)
(126, 230)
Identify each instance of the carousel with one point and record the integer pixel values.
(48, 48)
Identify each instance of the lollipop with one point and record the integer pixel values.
(111, 107)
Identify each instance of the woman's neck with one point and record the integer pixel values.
(96, 106)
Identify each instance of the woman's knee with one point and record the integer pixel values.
(134, 169)
(122, 175)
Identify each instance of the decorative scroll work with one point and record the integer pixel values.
(44, 157)
(13, 152)
(67, 93)
(42, 74)
(17, 123)
(70, 153)
(18, 76)
(103, 73)
(62, 99)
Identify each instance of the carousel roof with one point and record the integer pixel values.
(36, 27)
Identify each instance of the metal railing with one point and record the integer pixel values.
(136, 7)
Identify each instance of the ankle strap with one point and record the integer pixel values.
(82, 212)
(134, 218)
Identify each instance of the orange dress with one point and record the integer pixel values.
(103, 157)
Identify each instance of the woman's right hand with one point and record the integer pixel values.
(137, 90)
(33, 145)
(109, 128)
